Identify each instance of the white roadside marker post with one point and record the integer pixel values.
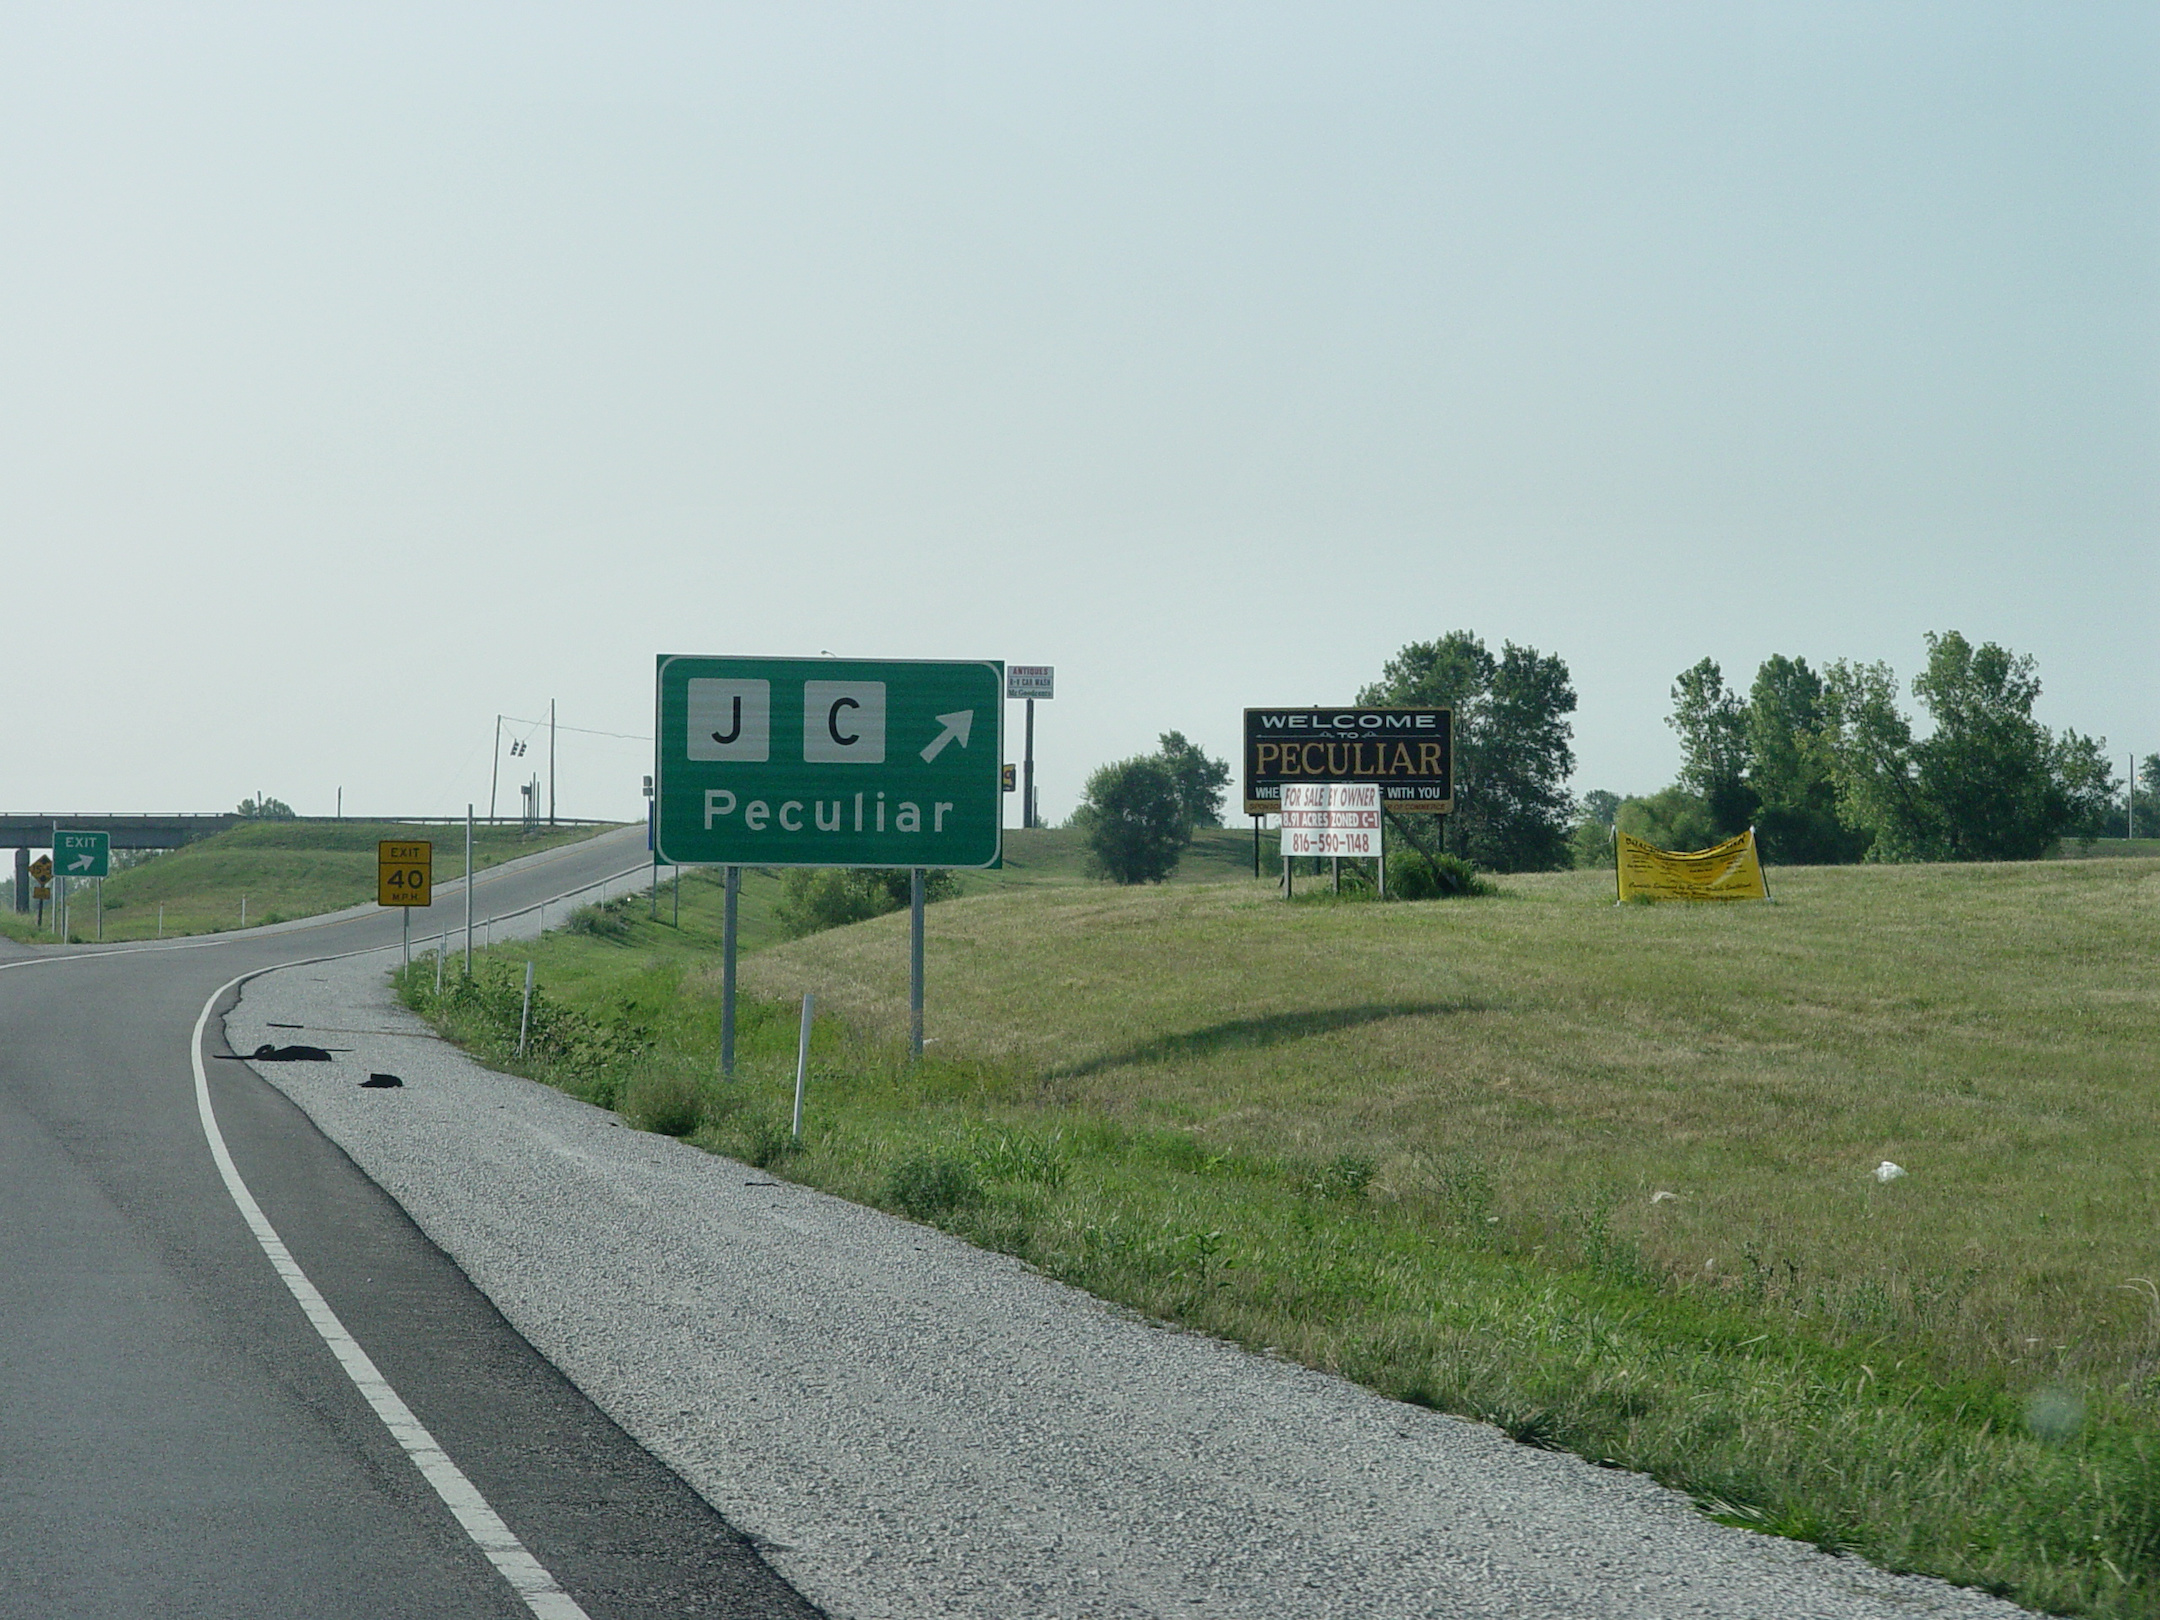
(525, 1011)
(802, 1060)
(468, 891)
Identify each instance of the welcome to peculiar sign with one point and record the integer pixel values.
(1409, 754)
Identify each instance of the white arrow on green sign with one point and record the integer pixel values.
(828, 762)
(82, 854)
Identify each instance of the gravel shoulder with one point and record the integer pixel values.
(910, 1426)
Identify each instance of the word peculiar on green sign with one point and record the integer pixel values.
(82, 854)
(828, 762)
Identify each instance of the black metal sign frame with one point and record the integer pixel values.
(1409, 752)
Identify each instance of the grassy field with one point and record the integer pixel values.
(2074, 849)
(286, 869)
(1602, 1175)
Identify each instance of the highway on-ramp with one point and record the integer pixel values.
(236, 1381)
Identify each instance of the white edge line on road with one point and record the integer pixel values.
(542, 1593)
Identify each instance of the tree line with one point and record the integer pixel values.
(1828, 766)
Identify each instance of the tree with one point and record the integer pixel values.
(1796, 819)
(2089, 784)
(1200, 781)
(262, 809)
(1987, 768)
(813, 898)
(1133, 819)
(1990, 783)
(1512, 736)
(1671, 819)
(1451, 673)
(1520, 819)
(1715, 746)
(1591, 839)
(1871, 764)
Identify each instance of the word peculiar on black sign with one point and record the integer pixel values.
(1410, 753)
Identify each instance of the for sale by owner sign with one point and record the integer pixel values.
(1331, 818)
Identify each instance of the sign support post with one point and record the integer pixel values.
(914, 994)
(1029, 681)
(405, 877)
(1330, 819)
(727, 974)
(80, 854)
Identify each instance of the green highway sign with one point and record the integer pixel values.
(82, 854)
(828, 762)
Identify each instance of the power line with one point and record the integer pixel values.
(628, 736)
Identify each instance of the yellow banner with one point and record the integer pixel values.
(1731, 871)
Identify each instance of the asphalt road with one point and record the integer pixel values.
(178, 1436)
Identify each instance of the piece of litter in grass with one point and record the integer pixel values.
(383, 1081)
(1662, 1197)
(1886, 1171)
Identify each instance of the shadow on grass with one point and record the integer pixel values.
(1242, 1034)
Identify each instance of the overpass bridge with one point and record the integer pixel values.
(35, 831)
(25, 831)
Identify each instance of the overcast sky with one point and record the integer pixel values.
(366, 372)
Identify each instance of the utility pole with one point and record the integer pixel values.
(495, 771)
(551, 762)
(1027, 775)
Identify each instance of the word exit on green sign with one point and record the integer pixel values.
(82, 854)
(828, 762)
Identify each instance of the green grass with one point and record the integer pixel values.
(2088, 849)
(1601, 1175)
(286, 869)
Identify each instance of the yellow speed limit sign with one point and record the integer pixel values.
(404, 872)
